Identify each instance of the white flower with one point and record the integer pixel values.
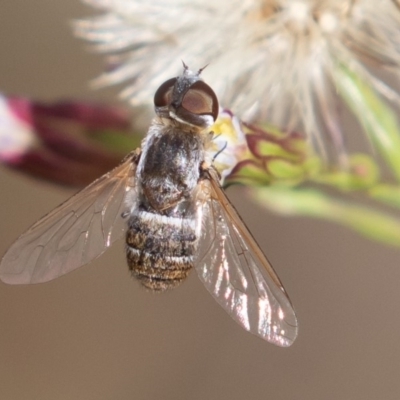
(16, 132)
(228, 135)
(275, 60)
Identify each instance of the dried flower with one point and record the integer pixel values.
(285, 61)
(71, 143)
(286, 177)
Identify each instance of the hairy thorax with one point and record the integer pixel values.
(170, 168)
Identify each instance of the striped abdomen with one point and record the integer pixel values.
(160, 249)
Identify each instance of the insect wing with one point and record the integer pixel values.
(73, 234)
(236, 272)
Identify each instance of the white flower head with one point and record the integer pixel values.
(270, 60)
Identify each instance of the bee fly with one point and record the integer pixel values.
(168, 199)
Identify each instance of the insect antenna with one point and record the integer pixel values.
(220, 151)
(202, 69)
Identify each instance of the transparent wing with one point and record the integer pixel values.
(75, 233)
(239, 276)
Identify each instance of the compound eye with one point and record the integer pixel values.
(163, 95)
(200, 99)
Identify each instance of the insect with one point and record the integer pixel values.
(167, 199)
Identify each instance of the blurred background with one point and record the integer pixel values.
(94, 334)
